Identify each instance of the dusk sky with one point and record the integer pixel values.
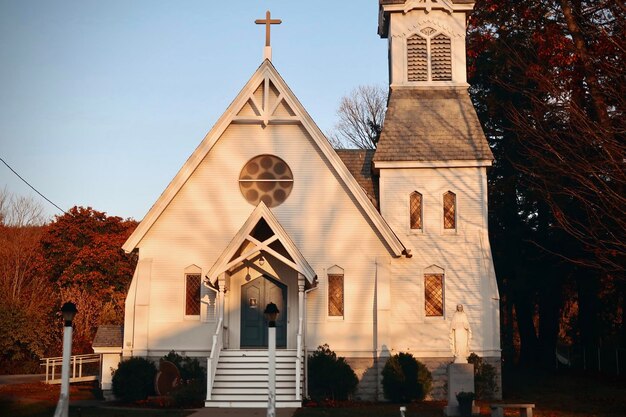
(101, 102)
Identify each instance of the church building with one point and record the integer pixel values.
(368, 251)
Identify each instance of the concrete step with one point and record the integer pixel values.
(251, 404)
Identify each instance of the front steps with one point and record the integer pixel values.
(241, 379)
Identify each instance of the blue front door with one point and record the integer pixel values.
(255, 295)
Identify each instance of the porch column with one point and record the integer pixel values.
(300, 297)
(223, 299)
(300, 337)
(221, 280)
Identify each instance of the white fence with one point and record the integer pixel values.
(82, 368)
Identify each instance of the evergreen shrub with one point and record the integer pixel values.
(330, 377)
(405, 379)
(134, 379)
(485, 377)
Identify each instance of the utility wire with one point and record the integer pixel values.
(26, 182)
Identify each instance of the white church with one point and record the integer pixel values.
(369, 252)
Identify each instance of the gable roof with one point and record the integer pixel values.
(230, 257)
(250, 107)
(359, 163)
(426, 125)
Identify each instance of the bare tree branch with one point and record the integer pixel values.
(361, 114)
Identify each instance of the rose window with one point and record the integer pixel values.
(266, 178)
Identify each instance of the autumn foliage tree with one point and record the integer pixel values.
(548, 82)
(82, 256)
(25, 296)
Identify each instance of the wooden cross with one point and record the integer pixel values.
(267, 22)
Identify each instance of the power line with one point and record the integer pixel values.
(26, 182)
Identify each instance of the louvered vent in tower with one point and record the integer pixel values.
(441, 58)
(417, 58)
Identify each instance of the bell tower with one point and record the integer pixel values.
(426, 41)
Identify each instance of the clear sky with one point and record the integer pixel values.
(101, 102)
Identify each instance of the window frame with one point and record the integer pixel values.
(186, 276)
(336, 271)
(455, 206)
(428, 38)
(437, 272)
(420, 229)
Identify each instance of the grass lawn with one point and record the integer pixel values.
(39, 400)
(563, 395)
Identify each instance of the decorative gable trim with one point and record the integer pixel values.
(229, 257)
(428, 5)
(250, 108)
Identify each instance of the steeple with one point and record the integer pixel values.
(426, 41)
(430, 119)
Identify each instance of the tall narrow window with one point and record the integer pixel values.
(449, 210)
(335, 295)
(429, 56)
(416, 210)
(433, 295)
(192, 294)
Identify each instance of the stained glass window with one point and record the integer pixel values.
(433, 294)
(416, 210)
(449, 210)
(192, 295)
(335, 295)
(266, 178)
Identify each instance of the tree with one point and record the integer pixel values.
(547, 81)
(82, 256)
(25, 295)
(361, 114)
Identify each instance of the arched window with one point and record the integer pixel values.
(429, 56)
(415, 209)
(433, 291)
(449, 210)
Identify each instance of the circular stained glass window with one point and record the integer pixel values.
(266, 178)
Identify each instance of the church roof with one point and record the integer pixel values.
(431, 125)
(359, 163)
(108, 336)
(246, 109)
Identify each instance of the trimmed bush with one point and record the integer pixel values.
(484, 378)
(406, 379)
(192, 389)
(134, 379)
(330, 377)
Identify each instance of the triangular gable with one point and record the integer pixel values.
(277, 243)
(265, 99)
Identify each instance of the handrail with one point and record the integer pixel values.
(299, 361)
(76, 374)
(213, 359)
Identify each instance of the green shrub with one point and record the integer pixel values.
(484, 377)
(134, 379)
(192, 389)
(406, 379)
(330, 377)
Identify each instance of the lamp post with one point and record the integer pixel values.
(68, 311)
(271, 312)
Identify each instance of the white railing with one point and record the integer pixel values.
(299, 361)
(81, 368)
(216, 348)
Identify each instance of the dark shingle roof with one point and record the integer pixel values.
(108, 336)
(359, 163)
(431, 125)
